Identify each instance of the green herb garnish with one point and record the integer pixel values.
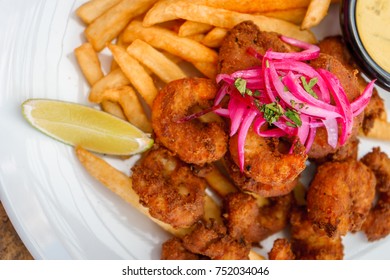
(309, 86)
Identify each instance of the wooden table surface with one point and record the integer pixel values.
(11, 247)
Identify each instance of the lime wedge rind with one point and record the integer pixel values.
(78, 125)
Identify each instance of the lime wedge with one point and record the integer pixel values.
(79, 125)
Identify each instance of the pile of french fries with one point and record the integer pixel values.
(150, 41)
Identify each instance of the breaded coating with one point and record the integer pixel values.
(193, 141)
(349, 81)
(281, 250)
(247, 221)
(266, 162)
(212, 240)
(247, 184)
(308, 244)
(340, 197)
(349, 151)
(167, 186)
(335, 46)
(377, 224)
(233, 54)
(173, 249)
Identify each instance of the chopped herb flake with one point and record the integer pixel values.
(272, 112)
(294, 117)
(309, 86)
(240, 85)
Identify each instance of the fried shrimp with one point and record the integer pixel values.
(247, 221)
(212, 240)
(247, 184)
(308, 244)
(173, 249)
(377, 224)
(170, 190)
(281, 250)
(193, 141)
(349, 82)
(340, 197)
(268, 161)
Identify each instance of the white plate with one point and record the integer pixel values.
(59, 211)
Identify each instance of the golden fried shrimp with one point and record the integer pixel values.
(170, 190)
(377, 224)
(267, 160)
(308, 244)
(335, 46)
(247, 221)
(173, 249)
(247, 184)
(212, 240)
(193, 141)
(233, 54)
(348, 79)
(281, 250)
(340, 197)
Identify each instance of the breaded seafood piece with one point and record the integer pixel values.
(340, 196)
(233, 54)
(377, 224)
(212, 240)
(247, 221)
(193, 141)
(167, 186)
(173, 249)
(281, 250)
(268, 161)
(309, 244)
(247, 184)
(335, 46)
(348, 79)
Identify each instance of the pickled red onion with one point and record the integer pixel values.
(275, 88)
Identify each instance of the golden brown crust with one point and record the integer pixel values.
(193, 141)
(281, 250)
(265, 163)
(212, 241)
(340, 197)
(173, 249)
(247, 184)
(170, 190)
(233, 53)
(308, 244)
(377, 224)
(247, 221)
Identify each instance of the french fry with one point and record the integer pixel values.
(189, 28)
(219, 183)
(169, 10)
(215, 37)
(113, 108)
(169, 41)
(316, 11)
(114, 79)
(380, 130)
(136, 73)
(89, 63)
(295, 16)
(110, 24)
(120, 184)
(91, 10)
(207, 69)
(131, 106)
(250, 6)
(158, 63)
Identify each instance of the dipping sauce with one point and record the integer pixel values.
(373, 26)
(366, 29)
